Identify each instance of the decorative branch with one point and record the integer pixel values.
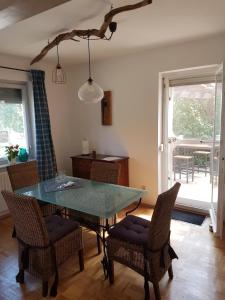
(100, 33)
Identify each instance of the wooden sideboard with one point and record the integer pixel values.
(82, 166)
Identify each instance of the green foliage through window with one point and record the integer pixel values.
(193, 118)
(11, 117)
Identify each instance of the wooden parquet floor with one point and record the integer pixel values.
(199, 274)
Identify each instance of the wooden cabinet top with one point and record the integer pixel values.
(99, 157)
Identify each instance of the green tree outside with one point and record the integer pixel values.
(193, 119)
(11, 117)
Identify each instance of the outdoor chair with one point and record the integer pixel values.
(183, 164)
(101, 172)
(44, 243)
(145, 246)
(214, 171)
(202, 159)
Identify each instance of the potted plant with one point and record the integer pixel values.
(12, 152)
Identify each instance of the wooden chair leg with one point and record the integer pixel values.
(99, 244)
(44, 288)
(111, 271)
(14, 232)
(81, 259)
(146, 287)
(157, 291)
(20, 277)
(170, 272)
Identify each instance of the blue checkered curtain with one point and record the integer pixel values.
(44, 146)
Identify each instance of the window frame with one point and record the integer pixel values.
(26, 106)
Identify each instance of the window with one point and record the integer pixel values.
(14, 118)
(193, 111)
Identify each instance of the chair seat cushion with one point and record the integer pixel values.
(131, 229)
(59, 227)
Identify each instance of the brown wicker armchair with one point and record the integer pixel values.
(102, 172)
(145, 246)
(26, 174)
(44, 243)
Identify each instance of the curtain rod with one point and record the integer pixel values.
(15, 69)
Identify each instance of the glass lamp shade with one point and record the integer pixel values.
(58, 75)
(90, 92)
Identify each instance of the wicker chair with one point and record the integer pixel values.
(26, 174)
(101, 172)
(145, 246)
(44, 243)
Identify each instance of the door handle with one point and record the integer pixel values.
(172, 140)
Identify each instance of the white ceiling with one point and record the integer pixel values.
(13, 11)
(162, 22)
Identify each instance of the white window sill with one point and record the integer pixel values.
(3, 165)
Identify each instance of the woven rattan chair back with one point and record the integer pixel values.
(161, 218)
(27, 217)
(105, 172)
(24, 174)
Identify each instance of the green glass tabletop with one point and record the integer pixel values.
(95, 198)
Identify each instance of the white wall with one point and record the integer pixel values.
(59, 106)
(133, 80)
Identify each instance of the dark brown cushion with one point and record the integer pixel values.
(59, 227)
(131, 229)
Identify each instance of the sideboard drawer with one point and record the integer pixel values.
(82, 168)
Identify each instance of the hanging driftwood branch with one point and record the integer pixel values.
(100, 33)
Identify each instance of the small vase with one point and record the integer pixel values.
(12, 161)
(23, 155)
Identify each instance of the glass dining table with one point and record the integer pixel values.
(99, 199)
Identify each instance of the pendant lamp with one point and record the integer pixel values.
(90, 91)
(58, 74)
